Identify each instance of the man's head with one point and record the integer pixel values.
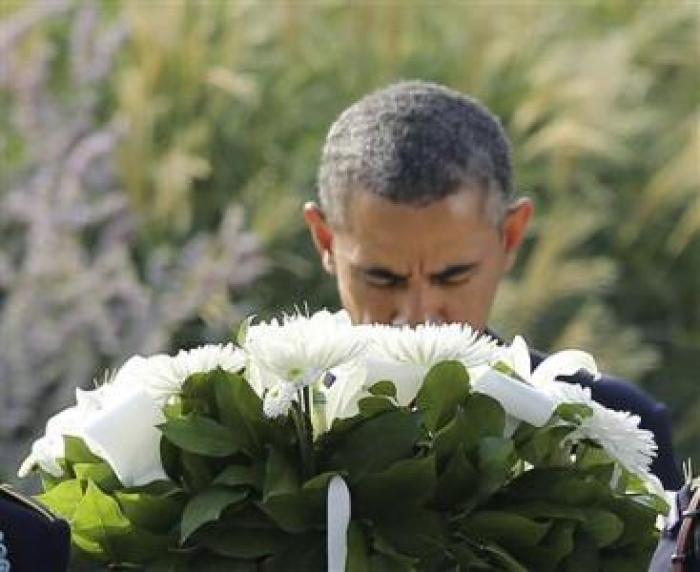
(417, 217)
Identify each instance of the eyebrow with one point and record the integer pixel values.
(453, 271)
(383, 274)
(442, 276)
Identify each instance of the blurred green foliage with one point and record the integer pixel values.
(230, 101)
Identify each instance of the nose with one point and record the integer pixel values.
(419, 305)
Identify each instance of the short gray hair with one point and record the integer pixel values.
(414, 143)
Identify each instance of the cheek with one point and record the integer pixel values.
(471, 303)
(366, 304)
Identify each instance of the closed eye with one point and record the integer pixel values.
(454, 275)
(382, 278)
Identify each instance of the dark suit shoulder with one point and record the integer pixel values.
(619, 394)
(32, 537)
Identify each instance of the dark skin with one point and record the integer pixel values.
(402, 264)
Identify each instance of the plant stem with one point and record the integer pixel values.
(303, 435)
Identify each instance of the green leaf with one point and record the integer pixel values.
(467, 558)
(76, 451)
(584, 556)
(505, 560)
(406, 482)
(504, 528)
(201, 435)
(450, 438)
(100, 473)
(64, 498)
(240, 475)
(358, 549)
(483, 417)
(457, 483)
(99, 519)
(445, 386)
(170, 456)
(602, 526)
(282, 498)
(385, 388)
(374, 405)
(197, 471)
(240, 409)
(496, 458)
(281, 475)
(244, 542)
(88, 546)
(198, 394)
(384, 563)
(206, 507)
(140, 546)
(573, 412)
(299, 552)
(543, 446)
(547, 510)
(415, 533)
(155, 513)
(639, 521)
(376, 443)
(559, 485)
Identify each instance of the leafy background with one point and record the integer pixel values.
(155, 156)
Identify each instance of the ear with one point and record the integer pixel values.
(321, 234)
(514, 227)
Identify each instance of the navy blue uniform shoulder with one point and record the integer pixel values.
(621, 395)
(32, 538)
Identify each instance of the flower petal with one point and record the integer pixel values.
(519, 355)
(407, 377)
(564, 363)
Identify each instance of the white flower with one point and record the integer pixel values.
(278, 399)
(163, 375)
(210, 357)
(290, 349)
(429, 344)
(405, 355)
(617, 432)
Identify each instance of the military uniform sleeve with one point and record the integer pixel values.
(33, 539)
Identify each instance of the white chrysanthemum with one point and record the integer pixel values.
(428, 344)
(163, 375)
(210, 357)
(278, 399)
(404, 355)
(617, 432)
(289, 349)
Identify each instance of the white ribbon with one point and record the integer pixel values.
(126, 435)
(338, 519)
(518, 398)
